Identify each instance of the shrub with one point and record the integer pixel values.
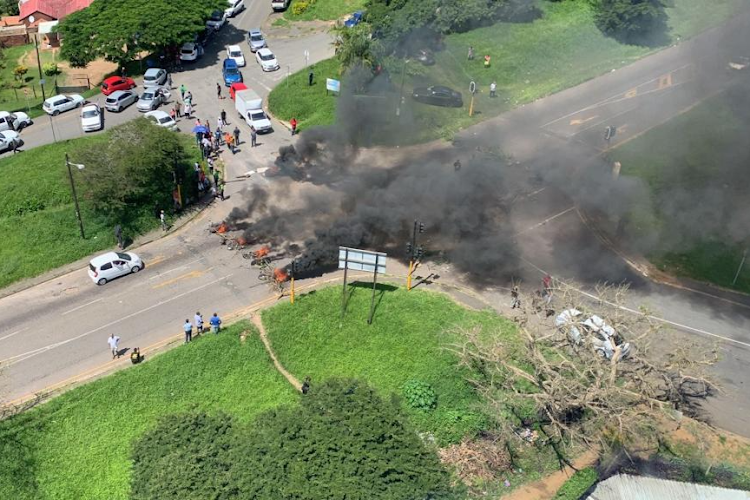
(578, 484)
(420, 395)
(20, 71)
(299, 8)
(454, 425)
(632, 21)
(50, 69)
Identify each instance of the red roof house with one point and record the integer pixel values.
(48, 10)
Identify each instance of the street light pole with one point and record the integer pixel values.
(75, 196)
(39, 65)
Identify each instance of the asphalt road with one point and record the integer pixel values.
(58, 329)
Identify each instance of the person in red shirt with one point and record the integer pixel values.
(293, 123)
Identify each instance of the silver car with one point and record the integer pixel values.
(256, 40)
(9, 140)
(119, 100)
(154, 77)
(152, 98)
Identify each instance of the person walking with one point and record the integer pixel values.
(198, 323)
(221, 189)
(236, 133)
(219, 124)
(217, 138)
(182, 91)
(218, 91)
(470, 55)
(293, 124)
(163, 220)
(515, 299)
(114, 342)
(215, 323)
(230, 142)
(118, 236)
(310, 79)
(188, 329)
(188, 110)
(169, 80)
(224, 117)
(253, 137)
(493, 89)
(189, 97)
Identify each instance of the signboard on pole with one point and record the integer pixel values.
(361, 260)
(333, 85)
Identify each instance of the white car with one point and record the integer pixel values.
(9, 140)
(260, 121)
(217, 20)
(14, 121)
(112, 265)
(235, 7)
(63, 102)
(190, 52)
(161, 119)
(92, 118)
(119, 100)
(267, 60)
(235, 53)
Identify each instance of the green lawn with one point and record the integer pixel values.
(529, 61)
(324, 10)
(12, 96)
(685, 156)
(78, 445)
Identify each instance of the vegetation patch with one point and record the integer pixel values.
(311, 104)
(578, 484)
(323, 10)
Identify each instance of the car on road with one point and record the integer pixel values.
(217, 20)
(235, 7)
(119, 100)
(92, 118)
(231, 72)
(14, 121)
(256, 40)
(259, 119)
(115, 83)
(354, 19)
(9, 140)
(235, 53)
(161, 119)
(111, 265)
(154, 77)
(62, 102)
(279, 4)
(152, 98)
(267, 60)
(437, 95)
(190, 52)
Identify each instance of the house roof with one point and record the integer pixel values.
(56, 9)
(648, 488)
(11, 21)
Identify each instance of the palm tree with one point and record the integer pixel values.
(353, 46)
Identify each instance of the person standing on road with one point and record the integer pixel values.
(219, 124)
(215, 323)
(493, 89)
(118, 235)
(221, 189)
(218, 91)
(163, 220)
(198, 323)
(253, 137)
(114, 342)
(169, 80)
(293, 124)
(236, 133)
(182, 91)
(515, 299)
(224, 117)
(230, 142)
(188, 328)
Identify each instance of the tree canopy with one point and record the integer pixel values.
(632, 21)
(120, 29)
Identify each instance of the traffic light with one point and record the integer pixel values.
(409, 249)
(420, 252)
(421, 227)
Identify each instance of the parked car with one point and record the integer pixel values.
(115, 83)
(438, 95)
(354, 19)
(231, 72)
(217, 20)
(190, 52)
(235, 7)
(267, 60)
(92, 118)
(14, 121)
(112, 265)
(161, 119)
(154, 77)
(425, 57)
(235, 53)
(119, 100)
(152, 98)
(9, 140)
(62, 102)
(256, 40)
(279, 4)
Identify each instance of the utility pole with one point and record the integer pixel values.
(294, 271)
(39, 65)
(73, 189)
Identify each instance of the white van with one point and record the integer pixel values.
(249, 106)
(279, 4)
(14, 121)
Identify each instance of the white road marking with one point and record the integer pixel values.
(14, 333)
(530, 228)
(174, 269)
(81, 306)
(30, 354)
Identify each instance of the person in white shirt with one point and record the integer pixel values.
(198, 323)
(113, 342)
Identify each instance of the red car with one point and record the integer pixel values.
(114, 83)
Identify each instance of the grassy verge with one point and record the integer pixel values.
(78, 445)
(324, 10)
(529, 60)
(12, 97)
(695, 154)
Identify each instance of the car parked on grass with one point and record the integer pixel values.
(162, 119)
(9, 140)
(235, 7)
(217, 20)
(437, 95)
(267, 60)
(92, 118)
(354, 19)
(190, 52)
(231, 72)
(62, 102)
(115, 83)
(152, 98)
(235, 53)
(119, 100)
(111, 265)
(14, 121)
(153, 77)
(256, 40)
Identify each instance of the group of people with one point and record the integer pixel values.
(199, 326)
(542, 297)
(487, 60)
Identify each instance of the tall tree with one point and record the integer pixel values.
(354, 46)
(632, 21)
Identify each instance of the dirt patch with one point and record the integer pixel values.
(267, 343)
(294, 29)
(544, 489)
(94, 72)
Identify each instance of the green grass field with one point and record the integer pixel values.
(325, 10)
(687, 153)
(529, 61)
(12, 97)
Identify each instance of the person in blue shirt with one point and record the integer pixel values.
(215, 323)
(188, 327)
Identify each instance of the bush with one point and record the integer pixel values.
(50, 69)
(20, 71)
(420, 395)
(299, 8)
(578, 484)
(184, 457)
(632, 21)
(454, 425)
